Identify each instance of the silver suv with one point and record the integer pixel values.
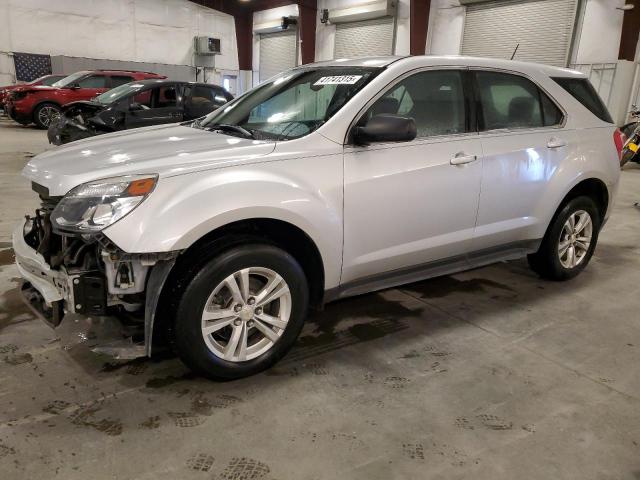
(214, 237)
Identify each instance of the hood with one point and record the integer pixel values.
(34, 88)
(167, 150)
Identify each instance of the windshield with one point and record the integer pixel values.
(117, 93)
(49, 80)
(291, 105)
(69, 80)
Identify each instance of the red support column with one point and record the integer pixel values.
(244, 40)
(308, 13)
(418, 25)
(629, 35)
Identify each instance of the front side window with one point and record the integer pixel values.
(158, 97)
(201, 96)
(434, 99)
(93, 81)
(510, 101)
(291, 105)
(166, 96)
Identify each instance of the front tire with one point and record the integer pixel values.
(570, 241)
(241, 311)
(45, 114)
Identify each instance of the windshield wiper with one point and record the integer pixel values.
(232, 128)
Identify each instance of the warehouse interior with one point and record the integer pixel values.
(490, 373)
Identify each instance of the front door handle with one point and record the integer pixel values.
(461, 158)
(555, 142)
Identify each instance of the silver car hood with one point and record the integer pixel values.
(166, 150)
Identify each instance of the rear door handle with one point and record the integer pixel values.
(461, 158)
(555, 142)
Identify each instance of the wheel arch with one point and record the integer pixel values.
(280, 233)
(592, 187)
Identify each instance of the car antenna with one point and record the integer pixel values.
(514, 52)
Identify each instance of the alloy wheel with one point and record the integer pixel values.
(575, 239)
(48, 114)
(246, 314)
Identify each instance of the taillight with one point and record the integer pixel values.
(619, 139)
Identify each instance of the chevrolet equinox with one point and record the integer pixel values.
(215, 236)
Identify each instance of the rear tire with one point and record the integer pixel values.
(45, 113)
(570, 241)
(225, 325)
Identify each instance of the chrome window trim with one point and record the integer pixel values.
(503, 131)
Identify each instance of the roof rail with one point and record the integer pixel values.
(121, 70)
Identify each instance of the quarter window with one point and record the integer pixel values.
(512, 101)
(434, 99)
(582, 90)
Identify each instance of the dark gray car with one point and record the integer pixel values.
(136, 104)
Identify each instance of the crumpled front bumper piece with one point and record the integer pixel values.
(53, 285)
(66, 130)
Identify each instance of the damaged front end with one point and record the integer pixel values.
(79, 282)
(82, 120)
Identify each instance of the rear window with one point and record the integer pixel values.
(582, 90)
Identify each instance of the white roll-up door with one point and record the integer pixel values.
(364, 38)
(277, 53)
(543, 28)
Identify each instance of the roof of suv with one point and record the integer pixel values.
(429, 60)
(164, 81)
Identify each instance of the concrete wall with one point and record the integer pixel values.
(157, 31)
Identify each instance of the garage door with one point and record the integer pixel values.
(277, 53)
(543, 28)
(365, 38)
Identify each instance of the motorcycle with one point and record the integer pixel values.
(632, 133)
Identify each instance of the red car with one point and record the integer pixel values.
(47, 80)
(41, 104)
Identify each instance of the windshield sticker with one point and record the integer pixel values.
(338, 80)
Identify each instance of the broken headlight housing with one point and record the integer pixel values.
(93, 206)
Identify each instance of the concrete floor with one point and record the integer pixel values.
(490, 374)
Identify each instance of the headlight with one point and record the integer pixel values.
(93, 206)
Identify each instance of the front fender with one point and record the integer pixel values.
(306, 193)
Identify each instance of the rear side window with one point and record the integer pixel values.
(582, 90)
(202, 95)
(511, 101)
(117, 80)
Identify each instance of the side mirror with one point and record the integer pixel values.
(386, 128)
(134, 106)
